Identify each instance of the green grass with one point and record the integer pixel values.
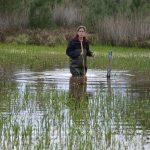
(38, 57)
(124, 58)
(32, 56)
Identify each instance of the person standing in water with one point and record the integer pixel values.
(78, 50)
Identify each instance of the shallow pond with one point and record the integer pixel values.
(51, 110)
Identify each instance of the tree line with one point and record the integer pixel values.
(115, 21)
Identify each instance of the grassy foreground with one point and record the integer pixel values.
(34, 56)
(52, 120)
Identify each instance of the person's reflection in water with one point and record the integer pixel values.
(78, 102)
(77, 87)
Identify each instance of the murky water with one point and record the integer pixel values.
(124, 82)
(103, 113)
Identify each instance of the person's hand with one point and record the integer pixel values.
(93, 54)
(81, 53)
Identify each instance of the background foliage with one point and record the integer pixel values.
(113, 21)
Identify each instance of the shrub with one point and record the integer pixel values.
(22, 39)
(40, 15)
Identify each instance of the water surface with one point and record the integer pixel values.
(51, 110)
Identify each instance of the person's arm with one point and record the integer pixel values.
(70, 51)
(89, 52)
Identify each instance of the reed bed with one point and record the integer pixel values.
(52, 119)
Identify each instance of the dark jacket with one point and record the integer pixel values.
(73, 51)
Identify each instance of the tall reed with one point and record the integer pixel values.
(123, 31)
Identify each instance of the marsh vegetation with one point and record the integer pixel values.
(113, 22)
(42, 107)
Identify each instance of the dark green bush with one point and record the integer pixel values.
(40, 14)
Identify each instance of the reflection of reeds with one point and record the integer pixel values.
(51, 119)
